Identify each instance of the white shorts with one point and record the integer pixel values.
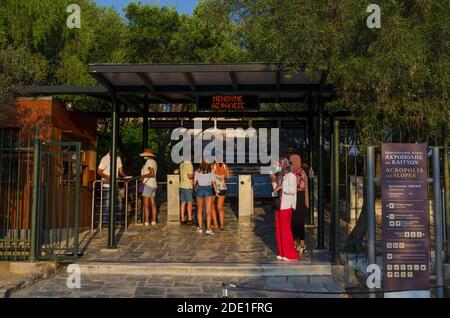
(149, 192)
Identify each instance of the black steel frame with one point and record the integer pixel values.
(315, 95)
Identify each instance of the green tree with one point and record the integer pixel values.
(394, 79)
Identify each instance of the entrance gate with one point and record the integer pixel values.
(39, 198)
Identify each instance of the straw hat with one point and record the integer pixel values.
(147, 153)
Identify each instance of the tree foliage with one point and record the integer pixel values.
(395, 80)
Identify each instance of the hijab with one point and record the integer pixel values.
(284, 167)
(299, 172)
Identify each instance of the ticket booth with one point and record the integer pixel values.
(57, 122)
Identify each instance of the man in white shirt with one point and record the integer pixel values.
(104, 171)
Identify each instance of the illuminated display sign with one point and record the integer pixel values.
(228, 102)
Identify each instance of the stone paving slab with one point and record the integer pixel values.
(17, 275)
(173, 243)
(206, 269)
(161, 286)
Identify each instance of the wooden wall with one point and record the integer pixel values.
(56, 124)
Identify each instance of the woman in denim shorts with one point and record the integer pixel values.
(204, 181)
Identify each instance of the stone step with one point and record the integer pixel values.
(205, 269)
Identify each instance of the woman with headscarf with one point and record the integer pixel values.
(298, 215)
(283, 215)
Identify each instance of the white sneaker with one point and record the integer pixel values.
(209, 232)
(146, 224)
(280, 258)
(285, 259)
(153, 223)
(199, 230)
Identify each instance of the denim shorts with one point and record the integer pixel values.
(149, 192)
(204, 192)
(186, 195)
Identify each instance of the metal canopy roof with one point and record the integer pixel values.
(140, 84)
(183, 83)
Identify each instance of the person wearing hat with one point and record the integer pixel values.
(148, 177)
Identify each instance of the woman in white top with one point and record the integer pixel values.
(283, 215)
(148, 177)
(221, 172)
(204, 181)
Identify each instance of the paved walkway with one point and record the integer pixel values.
(135, 286)
(145, 249)
(182, 244)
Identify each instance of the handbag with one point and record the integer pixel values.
(141, 187)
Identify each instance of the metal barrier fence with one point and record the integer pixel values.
(356, 244)
(59, 200)
(353, 198)
(39, 198)
(16, 188)
(128, 202)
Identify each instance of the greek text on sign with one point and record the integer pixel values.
(228, 102)
(405, 217)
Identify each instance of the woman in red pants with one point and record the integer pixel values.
(283, 215)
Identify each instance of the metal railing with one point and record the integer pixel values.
(128, 194)
(16, 186)
(58, 214)
(128, 197)
(39, 198)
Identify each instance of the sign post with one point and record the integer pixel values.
(405, 220)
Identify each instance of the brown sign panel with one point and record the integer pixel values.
(405, 217)
(228, 102)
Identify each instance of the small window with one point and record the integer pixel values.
(9, 156)
(8, 137)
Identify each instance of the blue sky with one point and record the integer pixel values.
(183, 6)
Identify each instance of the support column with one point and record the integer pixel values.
(145, 124)
(245, 200)
(331, 183)
(36, 196)
(370, 186)
(446, 192)
(438, 222)
(113, 175)
(173, 199)
(321, 179)
(335, 217)
(310, 161)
